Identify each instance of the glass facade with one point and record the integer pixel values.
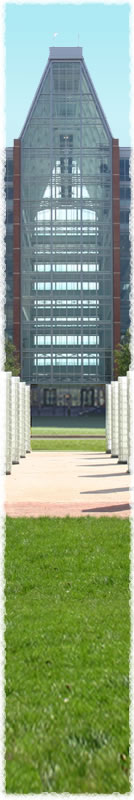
(66, 238)
(124, 239)
(9, 242)
(66, 232)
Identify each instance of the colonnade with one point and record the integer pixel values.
(17, 396)
(118, 418)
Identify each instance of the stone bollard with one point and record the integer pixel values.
(122, 419)
(15, 420)
(22, 421)
(114, 419)
(108, 417)
(28, 420)
(8, 380)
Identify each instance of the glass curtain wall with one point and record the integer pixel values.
(9, 242)
(125, 198)
(66, 240)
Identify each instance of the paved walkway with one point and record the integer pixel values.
(60, 484)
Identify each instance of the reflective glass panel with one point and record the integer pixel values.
(66, 242)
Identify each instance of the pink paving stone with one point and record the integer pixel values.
(59, 484)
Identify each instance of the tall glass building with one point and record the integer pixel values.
(66, 239)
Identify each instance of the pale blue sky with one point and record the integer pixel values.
(103, 33)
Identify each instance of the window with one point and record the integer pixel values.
(59, 360)
(91, 286)
(124, 217)
(38, 339)
(122, 169)
(90, 339)
(73, 286)
(10, 217)
(61, 287)
(72, 360)
(42, 267)
(9, 167)
(9, 192)
(47, 339)
(127, 169)
(42, 303)
(42, 360)
(40, 288)
(41, 340)
(72, 339)
(125, 193)
(85, 286)
(59, 339)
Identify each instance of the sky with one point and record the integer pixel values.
(103, 33)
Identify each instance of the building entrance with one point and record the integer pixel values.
(67, 401)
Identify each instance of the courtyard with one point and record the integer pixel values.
(53, 483)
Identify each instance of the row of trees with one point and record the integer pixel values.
(121, 357)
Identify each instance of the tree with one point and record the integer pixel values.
(11, 362)
(122, 356)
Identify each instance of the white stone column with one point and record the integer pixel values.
(130, 395)
(22, 420)
(122, 419)
(15, 419)
(28, 420)
(108, 417)
(114, 419)
(8, 380)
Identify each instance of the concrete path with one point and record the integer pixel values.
(60, 484)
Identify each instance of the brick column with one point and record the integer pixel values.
(116, 240)
(16, 246)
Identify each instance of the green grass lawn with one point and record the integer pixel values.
(96, 445)
(51, 431)
(67, 665)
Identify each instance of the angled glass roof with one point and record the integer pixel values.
(62, 56)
